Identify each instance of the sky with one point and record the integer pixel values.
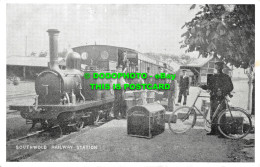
(145, 28)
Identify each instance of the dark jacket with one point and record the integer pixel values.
(184, 83)
(220, 82)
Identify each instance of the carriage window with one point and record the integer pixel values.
(104, 55)
(84, 56)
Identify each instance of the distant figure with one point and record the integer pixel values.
(119, 102)
(140, 81)
(219, 85)
(122, 59)
(161, 94)
(148, 80)
(165, 81)
(172, 93)
(184, 86)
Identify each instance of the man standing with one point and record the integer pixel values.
(160, 93)
(184, 86)
(122, 59)
(119, 102)
(219, 85)
(172, 94)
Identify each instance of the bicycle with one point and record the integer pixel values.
(232, 122)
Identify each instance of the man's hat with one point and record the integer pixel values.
(220, 64)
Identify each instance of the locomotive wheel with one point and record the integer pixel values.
(56, 132)
(79, 125)
(64, 129)
(45, 124)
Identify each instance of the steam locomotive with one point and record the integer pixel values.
(65, 98)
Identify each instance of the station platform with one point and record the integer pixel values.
(110, 143)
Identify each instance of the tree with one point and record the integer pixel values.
(224, 30)
(227, 31)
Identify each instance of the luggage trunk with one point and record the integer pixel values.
(146, 120)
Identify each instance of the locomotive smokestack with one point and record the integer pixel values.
(53, 45)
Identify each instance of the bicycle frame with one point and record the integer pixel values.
(233, 127)
(204, 115)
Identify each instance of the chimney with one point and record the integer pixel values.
(53, 44)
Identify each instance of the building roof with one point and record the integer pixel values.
(199, 62)
(173, 64)
(31, 61)
(28, 61)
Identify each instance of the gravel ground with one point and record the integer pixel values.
(114, 145)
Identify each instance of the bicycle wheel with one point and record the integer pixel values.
(234, 123)
(182, 119)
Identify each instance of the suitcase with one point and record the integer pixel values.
(138, 94)
(146, 120)
(129, 94)
(150, 100)
(159, 96)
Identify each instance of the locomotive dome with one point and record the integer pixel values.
(73, 60)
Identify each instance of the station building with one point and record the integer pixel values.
(201, 68)
(27, 67)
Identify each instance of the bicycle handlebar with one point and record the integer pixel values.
(208, 91)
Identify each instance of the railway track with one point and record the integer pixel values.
(21, 95)
(33, 143)
(14, 98)
(12, 111)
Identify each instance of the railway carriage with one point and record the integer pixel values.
(65, 98)
(105, 57)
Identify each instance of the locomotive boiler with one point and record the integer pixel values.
(55, 86)
(64, 97)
